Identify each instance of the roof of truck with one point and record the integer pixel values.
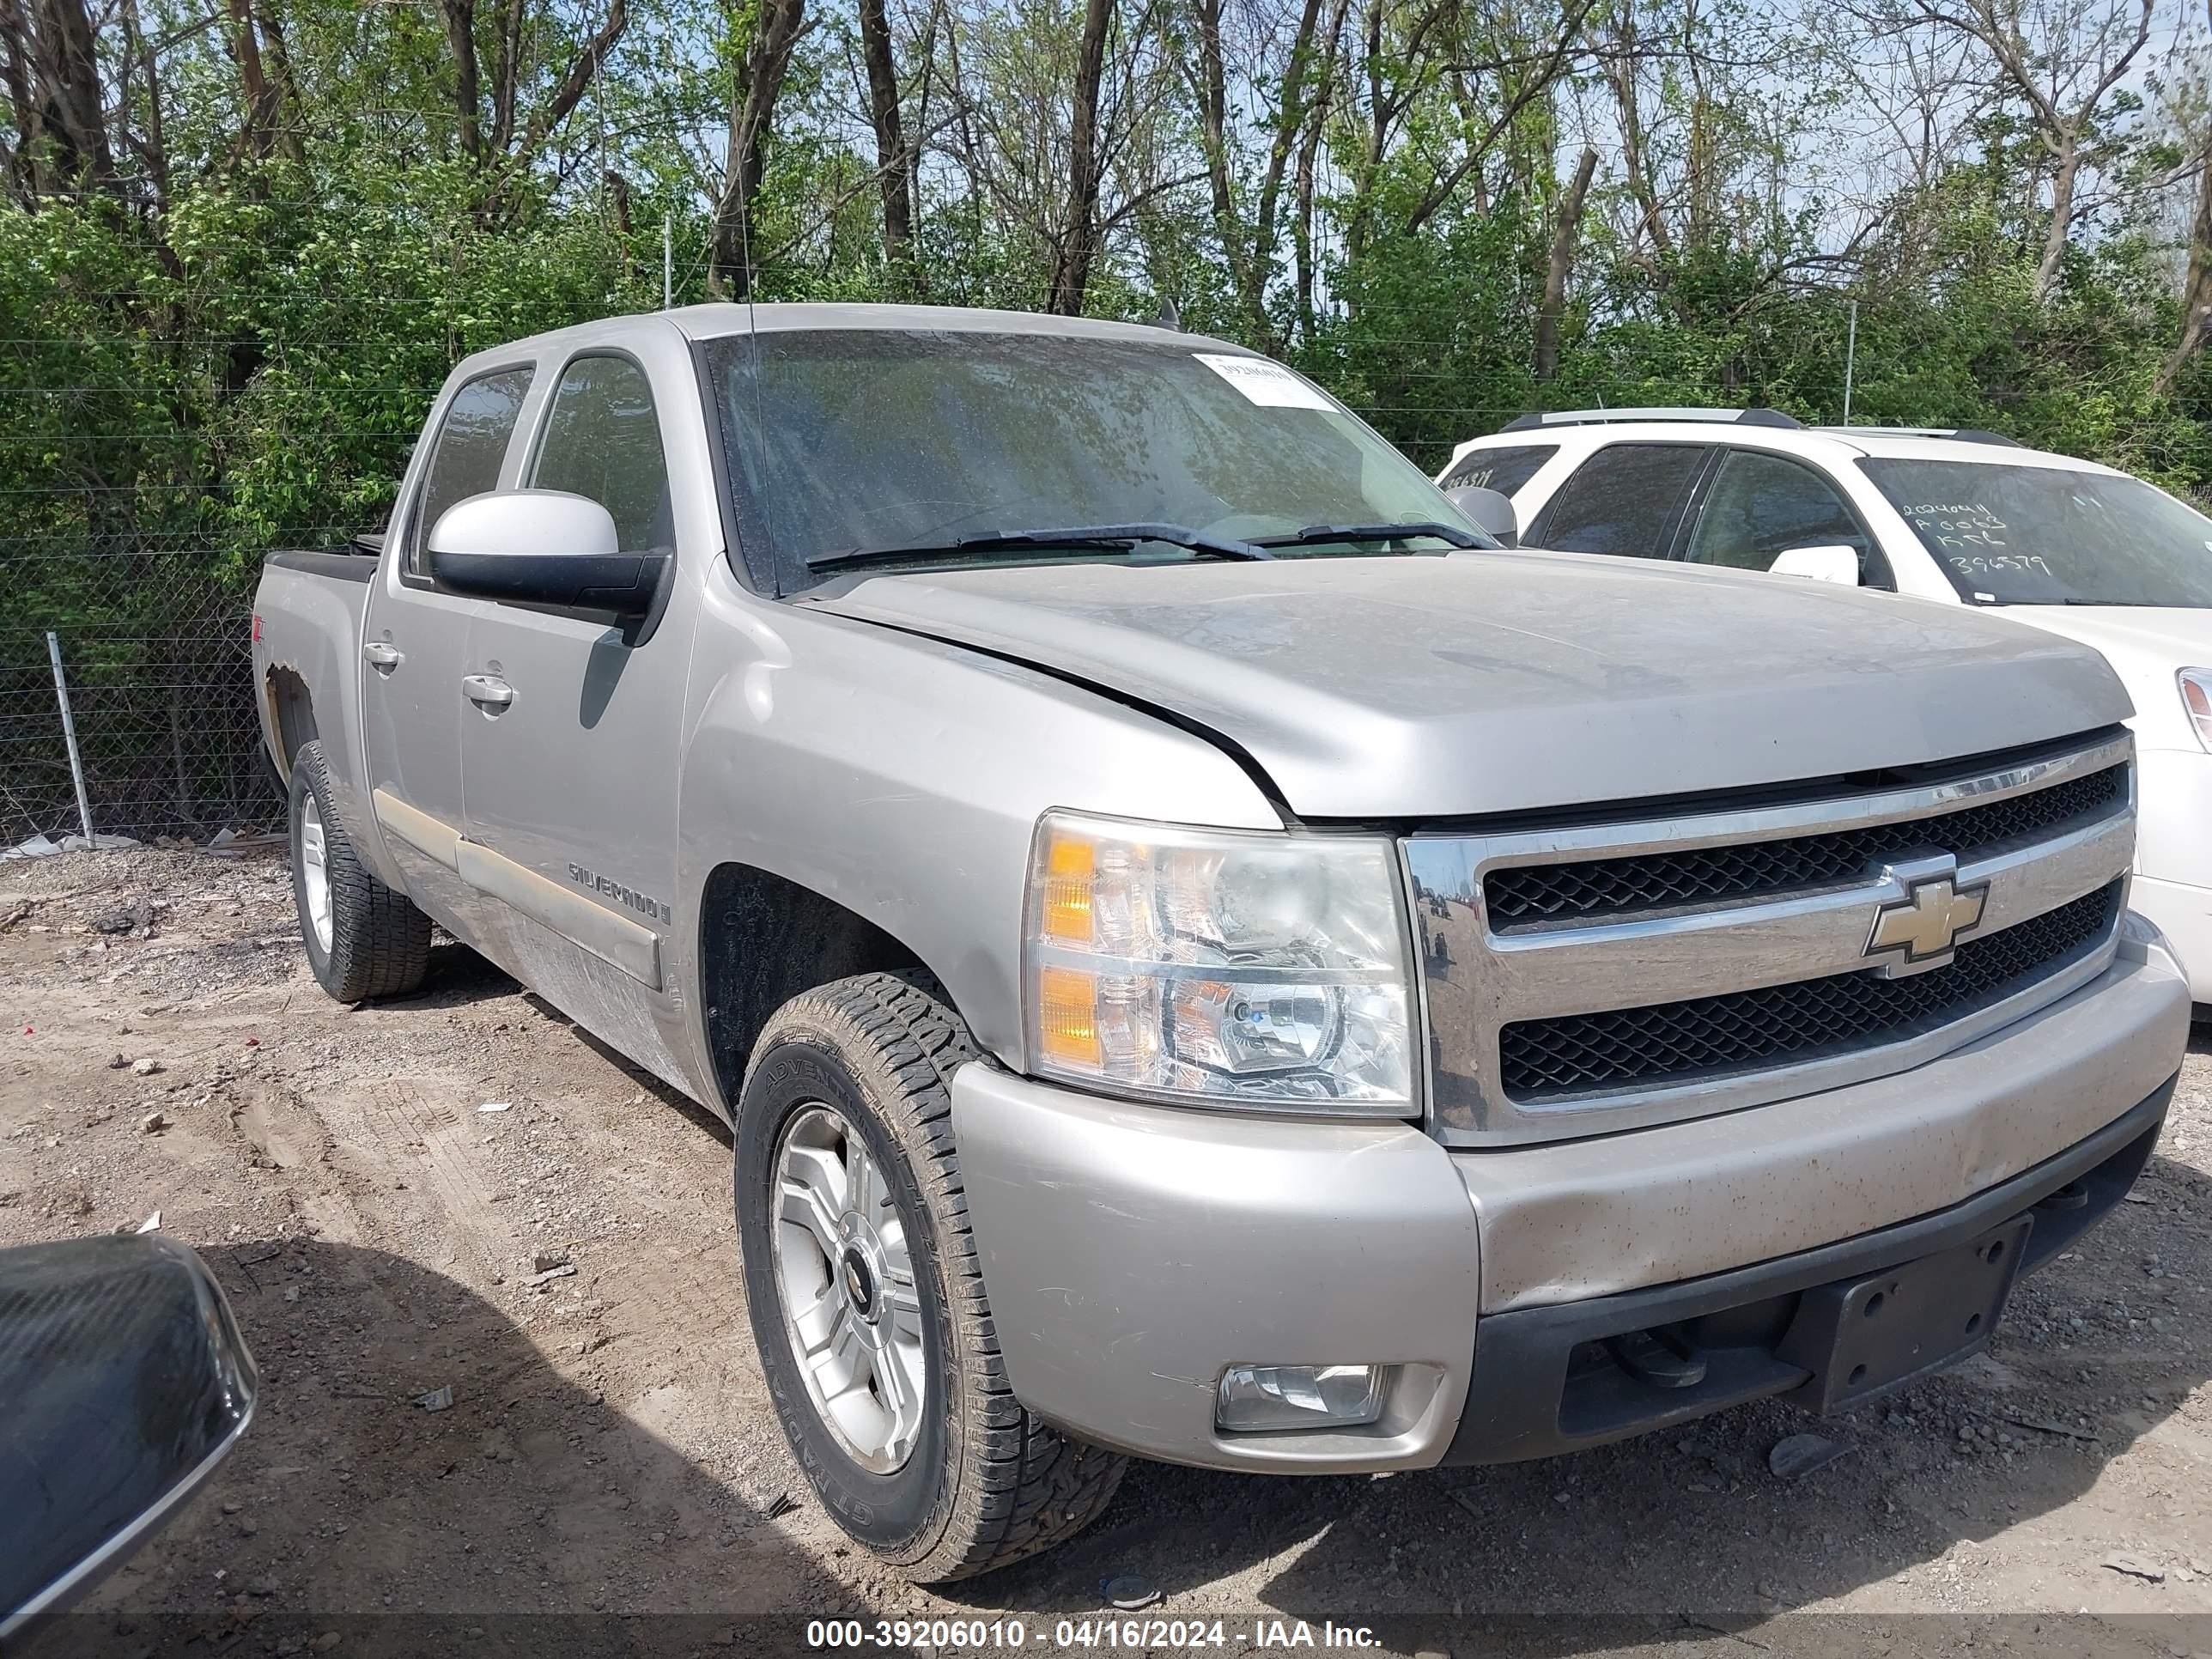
(711, 322)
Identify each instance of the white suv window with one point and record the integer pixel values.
(1759, 505)
(1504, 469)
(1625, 499)
(2011, 534)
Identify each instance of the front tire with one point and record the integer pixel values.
(874, 1331)
(363, 939)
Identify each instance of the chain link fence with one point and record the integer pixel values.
(155, 644)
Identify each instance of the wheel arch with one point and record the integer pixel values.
(291, 714)
(765, 939)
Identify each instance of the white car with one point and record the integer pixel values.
(1954, 516)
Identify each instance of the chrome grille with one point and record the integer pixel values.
(1531, 895)
(1553, 1059)
(1625, 972)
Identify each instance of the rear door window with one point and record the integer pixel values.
(1626, 499)
(472, 445)
(1504, 469)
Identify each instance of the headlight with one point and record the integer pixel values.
(2195, 685)
(1241, 969)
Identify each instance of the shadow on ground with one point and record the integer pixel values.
(352, 1516)
(351, 1512)
(456, 977)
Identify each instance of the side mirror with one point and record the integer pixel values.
(124, 1383)
(1490, 512)
(1821, 564)
(541, 547)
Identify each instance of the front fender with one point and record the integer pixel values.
(902, 778)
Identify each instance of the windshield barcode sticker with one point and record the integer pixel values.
(1268, 385)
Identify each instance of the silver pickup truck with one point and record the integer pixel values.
(1201, 959)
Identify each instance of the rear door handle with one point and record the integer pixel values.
(486, 689)
(381, 654)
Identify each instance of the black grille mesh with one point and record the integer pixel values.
(1530, 895)
(1667, 1041)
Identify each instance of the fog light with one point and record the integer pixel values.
(1298, 1397)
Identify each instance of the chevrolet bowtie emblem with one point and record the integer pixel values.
(1928, 921)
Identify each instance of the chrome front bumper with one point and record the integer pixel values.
(1132, 1251)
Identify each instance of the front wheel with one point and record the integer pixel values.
(867, 1305)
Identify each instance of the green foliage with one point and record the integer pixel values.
(225, 337)
(245, 361)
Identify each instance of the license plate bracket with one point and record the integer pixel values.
(1866, 1337)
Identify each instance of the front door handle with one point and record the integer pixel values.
(488, 691)
(382, 654)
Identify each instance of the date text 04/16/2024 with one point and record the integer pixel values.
(1085, 1634)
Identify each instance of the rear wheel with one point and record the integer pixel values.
(363, 938)
(867, 1305)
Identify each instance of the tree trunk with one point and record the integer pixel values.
(2196, 287)
(283, 90)
(461, 40)
(1360, 220)
(617, 189)
(255, 136)
(1290, 125)
(1302, 223)
(753, 95)
(1071, 275)
(15, 72)
(67, 94)
(1313, 126)
(893, 174)
(1702, 163)
(1214, 138)
(1620, 74)
(506, 68)
(2068, 149)
(1564, 236)
(148, 140)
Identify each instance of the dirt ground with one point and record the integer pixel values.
(376, 1187)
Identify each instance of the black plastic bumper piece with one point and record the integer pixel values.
(1548, 1380)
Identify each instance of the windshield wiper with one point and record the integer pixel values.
(1315, 534)
(1081, 535)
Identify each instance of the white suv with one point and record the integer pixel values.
(1957, 517)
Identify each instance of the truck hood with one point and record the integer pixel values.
(2145, 644)
(1486, 683)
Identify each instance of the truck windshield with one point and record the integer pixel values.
(903, 443)
(2043, 535)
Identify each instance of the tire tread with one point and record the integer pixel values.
(380, 941)
(1033, 1487)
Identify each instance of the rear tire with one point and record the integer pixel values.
(848, 1097)
(363, 939)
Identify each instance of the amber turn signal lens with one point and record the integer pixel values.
(1070, 868)
(1067, 1016)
